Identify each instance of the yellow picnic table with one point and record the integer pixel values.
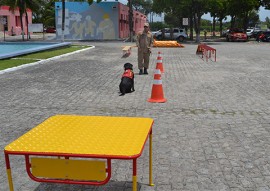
(62, 148)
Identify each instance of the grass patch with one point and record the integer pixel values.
(34, 57)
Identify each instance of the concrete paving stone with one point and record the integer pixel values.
(262, 188)
(212, 133)
(259, 181)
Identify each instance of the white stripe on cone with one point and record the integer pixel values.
(157, 82)
(157, 71)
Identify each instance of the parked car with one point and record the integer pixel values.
(168, 34)
(224, 33)
(257, 33)
(250, 33)
(264, 36)
(236, 34)
(50, 30)
(154, 33)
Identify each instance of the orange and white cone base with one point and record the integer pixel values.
(157, 95)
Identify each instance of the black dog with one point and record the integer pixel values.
(127, 80)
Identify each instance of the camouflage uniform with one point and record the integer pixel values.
(144, 43)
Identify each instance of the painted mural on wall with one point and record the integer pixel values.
(84, 22)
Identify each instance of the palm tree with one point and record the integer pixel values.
(22, 5)
(30, 4)
(45, 13)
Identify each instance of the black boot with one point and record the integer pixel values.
(141, 72)
(145, 71)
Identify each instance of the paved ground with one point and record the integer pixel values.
(212, 134)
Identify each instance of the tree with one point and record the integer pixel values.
(265, 3)
(174, 11)
(32, 5)
(221, 14)
(241, 9)
(194, 9)
(22, 5)
(199, 8)
(45, 13)
(267, 21)
(215, 7)
(143, 6)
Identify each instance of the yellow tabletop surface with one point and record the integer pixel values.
(85, 135)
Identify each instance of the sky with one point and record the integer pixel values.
(262, 13)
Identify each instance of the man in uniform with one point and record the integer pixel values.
(144, 43)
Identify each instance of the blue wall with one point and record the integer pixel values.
(84, 22)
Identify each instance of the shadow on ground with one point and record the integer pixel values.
(111, 186)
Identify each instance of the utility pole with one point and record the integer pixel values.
(130, 20)
(63, 19)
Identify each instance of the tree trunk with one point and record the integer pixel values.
(245, 21)
(233, 18)
(21, 18)
(197, 24)
(27, 22)
(220, 26)
(214, 26)
(191, 28)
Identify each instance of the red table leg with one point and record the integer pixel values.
(9, 173)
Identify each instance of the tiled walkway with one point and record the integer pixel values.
(212, 134)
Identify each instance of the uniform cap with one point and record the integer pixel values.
(146, 25)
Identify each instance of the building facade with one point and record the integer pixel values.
(99, 21)
(13, 22)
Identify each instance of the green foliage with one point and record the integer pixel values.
(265, 3)
(157, 26)
(267, 22)
(143, 6)
(243, 13)
(45, 13)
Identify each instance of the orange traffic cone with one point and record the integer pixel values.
(157, 90)
(159, 63)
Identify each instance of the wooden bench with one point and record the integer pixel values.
(206, 51)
